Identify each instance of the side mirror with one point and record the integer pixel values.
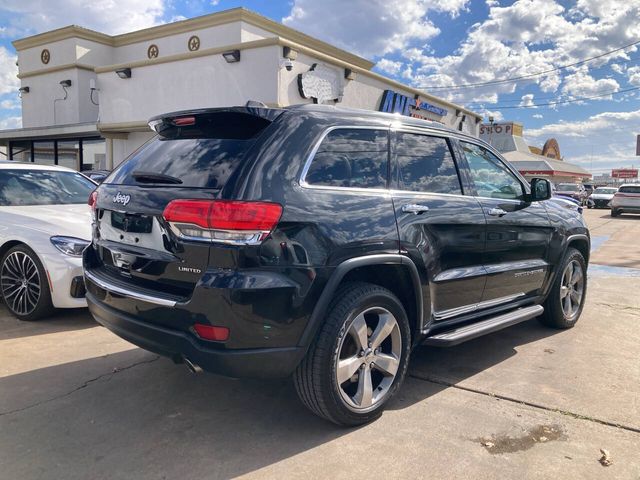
(540, 189)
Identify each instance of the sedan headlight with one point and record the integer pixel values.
(70, 245)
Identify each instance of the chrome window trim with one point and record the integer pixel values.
(523, 183)
(454, 312)
(447, 138)
(125, 292)
(376, 191)
(307, 165)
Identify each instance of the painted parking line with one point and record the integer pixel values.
(609, 271)
(597, 241)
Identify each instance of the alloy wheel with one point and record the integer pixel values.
(20, 283)
(572, 289)
(368, 359)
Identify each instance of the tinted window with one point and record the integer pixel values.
(197, 162)
(425, 164)
(568, 187)
(630, 189)
(202, 154)
(38, 187)
(491, 178)
(351, 158)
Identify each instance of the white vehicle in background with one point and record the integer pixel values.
(626, 199)
(45, 224)
(601, 196)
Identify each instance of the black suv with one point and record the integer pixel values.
(324, 244)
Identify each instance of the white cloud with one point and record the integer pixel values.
(537, 115)
(581, 84)
(603, 141)
(389, 66)
(527, 37)
(527, 100)
(497, 115)
(9, 104)
(8, 70)
(633, 74)
(370, 28)
(10, 122)
(27, 17)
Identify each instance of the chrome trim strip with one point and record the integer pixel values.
(314, 150)
(128, 293)
(454, 312)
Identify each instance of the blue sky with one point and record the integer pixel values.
(430, 44)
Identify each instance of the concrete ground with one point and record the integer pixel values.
(76, 402)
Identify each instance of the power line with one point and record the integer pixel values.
(559, 102)
(530, 75)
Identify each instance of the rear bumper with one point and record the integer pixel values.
(241, 363)
(626, 208)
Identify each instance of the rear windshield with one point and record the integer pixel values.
(43, 187)
(630, 189)
(202, 155)
(568, 187)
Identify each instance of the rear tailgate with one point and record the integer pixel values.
(193, 157)
(628, 196)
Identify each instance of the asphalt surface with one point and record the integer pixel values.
(76, 402)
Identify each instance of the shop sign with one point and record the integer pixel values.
(394, 102)
(321, 84)
(624, 173)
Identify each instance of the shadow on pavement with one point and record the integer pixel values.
(60, 321)
(134, 415)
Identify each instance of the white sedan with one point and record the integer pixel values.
(45, 224)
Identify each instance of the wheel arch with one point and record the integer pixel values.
(392, 271)
(580, 242)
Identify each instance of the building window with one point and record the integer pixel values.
(94, 154)
(20, 151)
(69, 153)
(44, 153)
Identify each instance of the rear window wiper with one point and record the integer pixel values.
(151, 177)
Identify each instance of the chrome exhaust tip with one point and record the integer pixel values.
(193, 368)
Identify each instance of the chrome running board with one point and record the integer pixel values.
(454, 336)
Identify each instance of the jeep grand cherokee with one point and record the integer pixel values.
(324, 244)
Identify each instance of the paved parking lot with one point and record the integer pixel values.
(76, 402)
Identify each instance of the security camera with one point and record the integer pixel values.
(288, 64)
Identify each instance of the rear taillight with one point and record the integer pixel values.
(225, 221)
(93, 198)
(211, 332)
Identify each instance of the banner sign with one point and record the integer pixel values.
(394, 102)
(624, 173)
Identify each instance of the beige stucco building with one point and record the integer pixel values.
(87, 96)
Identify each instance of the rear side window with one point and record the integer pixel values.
(630, 189)
(203, 154)
(425, 164)
(356, 158)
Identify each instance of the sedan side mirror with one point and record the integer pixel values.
(540, 189)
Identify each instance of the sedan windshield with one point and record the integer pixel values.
(606, 190)
(43, 187)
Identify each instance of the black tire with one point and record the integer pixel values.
(316, 377)
(554, 315)
(42, 303)
(614, 212)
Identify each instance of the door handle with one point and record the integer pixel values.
(496, 212)
(414, 208)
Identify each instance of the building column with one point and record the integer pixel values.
(109, 144)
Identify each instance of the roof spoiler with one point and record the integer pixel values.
(252, 107)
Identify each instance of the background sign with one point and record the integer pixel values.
(321, 84)
(394, 102)
(624, 173)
